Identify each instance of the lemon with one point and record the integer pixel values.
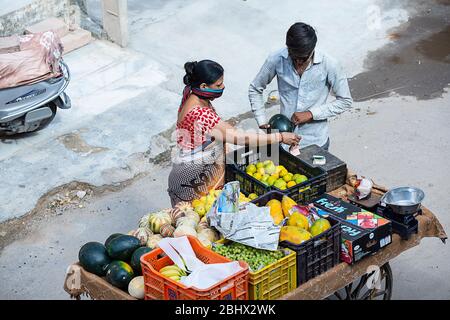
(275, 175)
(257, 176)
(200, 209)
(252, 196)
(259, 165)
(280, 184)
(291, 184)
(300, 179)
(265, 177)
(271, 180)
(210, 199)
(283, 172)
(287, 177)
(261, 171)
(203, 199)
(270, 168)
(268, 162)
(251, 168)
(196, 203)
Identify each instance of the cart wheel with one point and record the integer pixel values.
(360, 290)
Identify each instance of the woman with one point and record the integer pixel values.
(199, 164)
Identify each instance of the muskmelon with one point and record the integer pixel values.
(122, 247)
(119, 274)
(94, 258)
(158, 219)
(136, 287)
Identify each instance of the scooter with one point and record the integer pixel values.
(30, 108)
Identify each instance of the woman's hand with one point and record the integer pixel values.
(290, 138)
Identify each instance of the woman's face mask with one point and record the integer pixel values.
(215, 92)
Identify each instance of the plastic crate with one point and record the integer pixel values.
(319, 254)
(301, 193)
(274, 280)
(336, 168)
(159, 287)
(316, 255)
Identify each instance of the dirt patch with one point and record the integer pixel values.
(74, 142)
(415, 63)
(53, 203)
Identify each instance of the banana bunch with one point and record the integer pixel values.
(173, 272)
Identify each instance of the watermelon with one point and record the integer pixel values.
(136, 259)
(282, 123)
(122, 247)
(112, 237)
(94, 258)
(119, 274)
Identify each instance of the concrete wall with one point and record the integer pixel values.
(15, 21)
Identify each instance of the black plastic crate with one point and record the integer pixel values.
(336, 168)
(262, 200)
(238, 160)
(316, 255)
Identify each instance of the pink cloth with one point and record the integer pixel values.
(37, 60)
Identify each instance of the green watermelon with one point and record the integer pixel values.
(122, 247)
(94, 258)
(112, 237)
(282, 123)
(119, 274)
(136, 259)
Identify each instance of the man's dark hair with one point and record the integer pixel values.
(301, 39)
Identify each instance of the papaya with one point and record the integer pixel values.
(295, 235)
(275, 211)
(298, 220)
(287, 203)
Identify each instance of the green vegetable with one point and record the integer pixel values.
(256, 258)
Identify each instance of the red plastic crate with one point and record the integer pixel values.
(159, 287)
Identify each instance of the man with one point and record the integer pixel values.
(305, 77)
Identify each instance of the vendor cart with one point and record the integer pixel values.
(368, 279)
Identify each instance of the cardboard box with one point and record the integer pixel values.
(363, 232)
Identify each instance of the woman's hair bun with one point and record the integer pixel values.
(189, 67)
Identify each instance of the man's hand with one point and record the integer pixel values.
(301, 117)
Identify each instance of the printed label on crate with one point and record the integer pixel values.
(350, 213)
(363, 232)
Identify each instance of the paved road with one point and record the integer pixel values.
(113, 132)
